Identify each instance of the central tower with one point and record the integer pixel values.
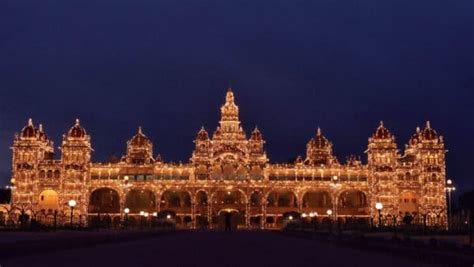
(229, 153)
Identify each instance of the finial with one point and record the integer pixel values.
(418, 130)
(428, 125)
(78, 122)
(40, 127)
(202, 128)
(140, 131)
(30, 122)
(318, 132)
(381, 123)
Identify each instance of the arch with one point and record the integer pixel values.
(104, 200)
(282, 199)
(178, 202)
(140, 200)
(48, 200)
(352, 202)
(316, 201)
(280, 202)
(231, 200)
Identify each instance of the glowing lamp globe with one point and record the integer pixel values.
(72, 203)
(378, 206)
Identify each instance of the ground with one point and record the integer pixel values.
(259, 248)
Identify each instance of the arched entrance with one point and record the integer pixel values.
(317, 201)
(278, 204)
(104, 200)
(352, 202)
(48, 201)
(140, 200)
(230, 201)
(179, 202)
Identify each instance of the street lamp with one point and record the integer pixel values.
(126, 211)
(329, 213)
(72, 203)
(290, 218)
(379, 208)
(449, 189)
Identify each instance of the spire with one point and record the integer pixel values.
(381, 123)
(318, 132)
(140, 131)
(428, 125)
(77, 122)
(30, 122)
(40, 128)
(418, 129)
(229, 98)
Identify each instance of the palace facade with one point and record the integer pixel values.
(229, 172)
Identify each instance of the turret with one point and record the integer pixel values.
(382, 150)
(319, 150)
(76, 147)
(31, 147)
(139, 149)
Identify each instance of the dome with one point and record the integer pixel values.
(29, 130)
(41, 134)
(77, 131)
(429, 133)
(202, 135)
(382, 132)
(139, 139)
(415, 138)
(256, 135)
(319, 141)
(217, 132)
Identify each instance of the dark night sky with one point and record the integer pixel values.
(294, 65)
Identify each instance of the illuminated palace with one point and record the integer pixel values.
(229, 172)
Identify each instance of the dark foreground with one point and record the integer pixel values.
(213, 249)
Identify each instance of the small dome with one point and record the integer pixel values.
(29, 130)
(382, 132)
(202, 135)
(217, 132)
(415, 139)
(77, 131)
(319, 141)
(139, 139)
(256, 135)
(429, 133)
(41, 134)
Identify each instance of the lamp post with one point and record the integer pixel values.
(72, 203)
(126, 211)
(329, 213)
(449, 189)
(379, 208)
